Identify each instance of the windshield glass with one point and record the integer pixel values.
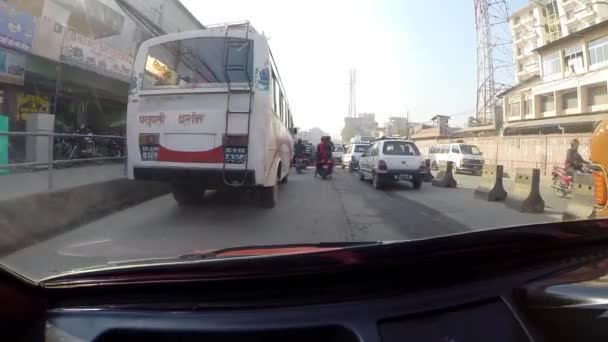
(400, 148)
(148, 129)
(197, 62)
(361, 148)
(470, 149)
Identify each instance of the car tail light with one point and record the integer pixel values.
(382, 165)
(600, 188)
(235, 140)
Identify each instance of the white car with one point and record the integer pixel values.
(464, 156)
(392, 160)
(350, 159)
(338, 154)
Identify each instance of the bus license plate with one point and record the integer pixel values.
(149, 152)
(235, 155)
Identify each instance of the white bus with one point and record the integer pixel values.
(207, 110)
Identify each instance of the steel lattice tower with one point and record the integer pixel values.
(352, 104)
(494, 57)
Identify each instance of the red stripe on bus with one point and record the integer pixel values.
(215, 155)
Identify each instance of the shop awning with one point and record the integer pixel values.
(572, 120)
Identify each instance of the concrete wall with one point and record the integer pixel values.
(522, 151)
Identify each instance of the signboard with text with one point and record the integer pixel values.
(17, 28)
(94, 55)
(30, 103)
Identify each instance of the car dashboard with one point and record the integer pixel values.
(537, 291)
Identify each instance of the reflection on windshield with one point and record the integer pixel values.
(196, 61)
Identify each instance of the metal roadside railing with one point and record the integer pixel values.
(75, 142)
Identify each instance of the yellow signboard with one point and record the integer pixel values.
(161, 71)
(29, 103)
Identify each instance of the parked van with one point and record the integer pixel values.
(464, 156)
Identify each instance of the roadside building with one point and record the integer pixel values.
(561, 56)
(74, 58)
(529, 30)
(363, 125)
(570, 94)
(437, 128)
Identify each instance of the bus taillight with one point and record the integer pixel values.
(235, 140)
(600, 188)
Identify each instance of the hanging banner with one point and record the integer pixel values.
(17, 28)
(12, 67)
(93, 55)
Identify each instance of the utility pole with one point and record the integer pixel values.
(407, 125)
(352, 103)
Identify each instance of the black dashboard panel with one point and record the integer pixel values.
(489, 321)
(390, 319)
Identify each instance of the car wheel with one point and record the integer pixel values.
(361, 175)
(285, 179)
(268, 196)
(187, 194)
(377, 182)
(343, 166)
(417, 183)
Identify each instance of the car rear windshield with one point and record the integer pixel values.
(196, 62)
(400, 148)
(361, 148)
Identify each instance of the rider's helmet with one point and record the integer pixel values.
(574, 142)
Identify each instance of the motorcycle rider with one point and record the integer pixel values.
(324, 152)
(574, 161)
(299, 148)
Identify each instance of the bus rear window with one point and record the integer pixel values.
(197, 62)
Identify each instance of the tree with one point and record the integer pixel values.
(348, 133)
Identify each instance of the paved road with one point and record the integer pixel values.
(309, 210)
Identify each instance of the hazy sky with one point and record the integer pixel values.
(409, 54)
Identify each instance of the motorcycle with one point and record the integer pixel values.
(84, 147)
(562, 181)
(301, 163)
(324, 169)
(116, 148)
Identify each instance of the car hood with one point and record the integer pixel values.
(451, 252)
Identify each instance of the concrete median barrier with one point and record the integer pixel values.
(32, 218)
(582, 204)
(490, 187)
(525, 196)
(445, 177)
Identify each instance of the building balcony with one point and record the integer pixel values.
(569, 4)
(527, 19)
(519, 41)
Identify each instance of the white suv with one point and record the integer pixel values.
(392, 160)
